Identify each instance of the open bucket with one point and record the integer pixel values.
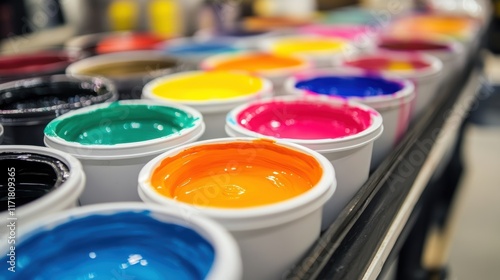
(391, 97)
(114, 141)
(124, 240)
(27, 106)
(38, 181)
(362, 37)
(425, 71)
(275, 68)
(321, 51)
(22, 66)
(343, 132)
(213, 93)
(449, 51)
(129, 71)
(269, 195)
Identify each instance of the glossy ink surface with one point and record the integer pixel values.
(124, 68)
(381, 63)
(305, 120)
(306, 45)
(258, 62)
(200, 48)
(349, 86)
(31, 175)
(124, 245)
(29, 64)
(450, 25)
(349, 32)
(204, 86)
(121, 123)
(412, 45)
(236, 175)
(47, 94)
(128, 42)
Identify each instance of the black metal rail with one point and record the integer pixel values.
(347, 247)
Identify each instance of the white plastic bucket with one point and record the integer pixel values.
(129, 71)
(195, 50)
(319, 50)
(426, 79)
(277, 74)
(214, 109)
(272, 237)
(449, 51)
(394, 107)
(362, 37)
(69, 184)
(112, 169)
(126, 240)
(350, 155)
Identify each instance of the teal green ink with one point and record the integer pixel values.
(121, 123)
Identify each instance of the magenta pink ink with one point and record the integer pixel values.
(304, 119)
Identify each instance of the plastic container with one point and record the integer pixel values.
(321, 51)
(391, 97)
(130, 71)
(449, 51)
(242, 38)
(125, 240)
(363, 37)
(272, 236)
(425, 71)
(114, 141)
(85, 45)
(321, 126)
(126, 42)
(27, 106)
(22, 66)
(276, 68)
(463, 28)
(273, 23)
(42, 181)
(196, 50)
(213, 94)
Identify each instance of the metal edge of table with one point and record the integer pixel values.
(358, 243)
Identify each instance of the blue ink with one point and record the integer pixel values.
(350, 86)
(200, 48)
(130, 245)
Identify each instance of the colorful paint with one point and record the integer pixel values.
(206, 86)
(349, 86)
(385, 63)
(14, 67)
(236, 175)
(131, 243)
(456, 26)
(128, 42)
(35, 175)
(255, 63)
(348, 32)
(412, 45)
(119, 123)
(198, 48)
(305, 120)
(307, 45)
(272, 23)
